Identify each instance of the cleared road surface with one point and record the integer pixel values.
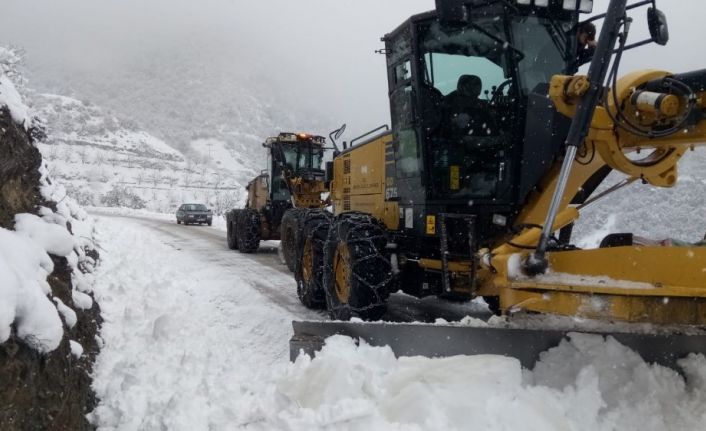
(276, 282)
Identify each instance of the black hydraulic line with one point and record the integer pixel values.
(696, 80)
(537, 262)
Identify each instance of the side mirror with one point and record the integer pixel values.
(339, 132)
(657, 22)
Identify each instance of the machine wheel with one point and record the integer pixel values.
(178, 221)
(357, 273)
(289, 233)
(308, 268)
(248, 231)
(231, 232)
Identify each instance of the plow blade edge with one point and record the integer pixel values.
(436, 341)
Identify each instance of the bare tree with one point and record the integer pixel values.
(53, 152)
(155, 177)
(115, 160)
(100, 158)
(66, 153)
(83, 155)
(172, 180)
(217, 181)
(188, 178)
(225, 201)
(140, 177)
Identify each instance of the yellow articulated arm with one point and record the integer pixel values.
(642, 132)
(652, 111)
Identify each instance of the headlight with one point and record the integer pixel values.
(585, 6)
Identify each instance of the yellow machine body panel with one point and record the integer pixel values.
(359, 179)
(636, 284)
(258, 192)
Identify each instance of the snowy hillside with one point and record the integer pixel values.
(652, 212)
(106, 161)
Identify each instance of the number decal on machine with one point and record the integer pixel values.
(454, 177)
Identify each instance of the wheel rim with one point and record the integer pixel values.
(308, 262)
(342, 272)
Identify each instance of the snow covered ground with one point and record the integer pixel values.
(193, 342)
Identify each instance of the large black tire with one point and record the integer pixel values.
(289, 234)
(231, 231)
(357, 274)
(248, 231)
(178, 221)
(308, 269)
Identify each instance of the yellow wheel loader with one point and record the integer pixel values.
(294, 179)
(496, 148)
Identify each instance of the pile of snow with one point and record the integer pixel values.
(204, 348)
(586, 383)
(25, 264)
(24, 267)
(10, 97)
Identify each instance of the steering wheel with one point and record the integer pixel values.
(499, 90)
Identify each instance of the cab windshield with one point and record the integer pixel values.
(298, 157)
(474, 80)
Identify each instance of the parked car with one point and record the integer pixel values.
(194, 213)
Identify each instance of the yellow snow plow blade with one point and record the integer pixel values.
(660, 285)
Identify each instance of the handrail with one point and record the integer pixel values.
(384, 126)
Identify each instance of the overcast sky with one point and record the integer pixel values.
(319, 50)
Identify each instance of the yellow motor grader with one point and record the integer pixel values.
(496, 148)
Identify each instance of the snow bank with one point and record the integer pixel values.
(25, 295)
(24, 267)
(11, 98)
(51, 237)
(26, 301)
(586, 383)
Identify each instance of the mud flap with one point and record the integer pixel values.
(442, 341)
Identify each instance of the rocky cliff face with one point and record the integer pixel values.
(42, 391)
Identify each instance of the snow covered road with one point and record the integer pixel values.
(196, 338)
(267, 274)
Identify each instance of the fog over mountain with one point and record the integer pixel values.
(224, 74)
(180, 67)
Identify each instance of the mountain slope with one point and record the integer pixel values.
(93, 153)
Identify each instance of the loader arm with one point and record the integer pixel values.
(661, 285)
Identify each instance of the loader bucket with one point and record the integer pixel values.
(445, 340)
